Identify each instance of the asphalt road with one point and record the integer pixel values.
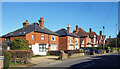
(111, 61)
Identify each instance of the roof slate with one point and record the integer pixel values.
(32, 27)
(64, 32)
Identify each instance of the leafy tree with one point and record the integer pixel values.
(19, 44)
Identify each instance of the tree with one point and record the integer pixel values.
(19, 44)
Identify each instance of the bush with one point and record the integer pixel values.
(19, 44)
(7, 57)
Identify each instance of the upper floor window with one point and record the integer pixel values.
(88, 38)
(32, 36)
(42, 37)
(70, 39)
(53, 38)
(76, 40)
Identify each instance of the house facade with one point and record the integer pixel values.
(101, 39)
(67, 40)
(40, 38)
(87, 39)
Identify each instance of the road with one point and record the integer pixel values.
(111, 61)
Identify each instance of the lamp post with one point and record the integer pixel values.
(103, 37)
(116, 37)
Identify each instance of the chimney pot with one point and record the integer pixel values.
(100, 33)
(76, 28)
(109, 37)
(90, 30)
(41, 22)
(68, 28)
(25, 23)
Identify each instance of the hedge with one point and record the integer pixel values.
(7, 57)
(20, 56)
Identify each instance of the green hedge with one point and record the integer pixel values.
(7, 57)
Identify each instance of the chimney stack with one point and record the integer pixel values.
(41, 22)
(90, 30)
(76, 28)
(109, 37)
(100, 33)
(25, 23)
(68, 28)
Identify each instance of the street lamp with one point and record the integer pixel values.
(116, 37)
(103, 37)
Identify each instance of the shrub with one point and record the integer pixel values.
(19, 44)
(7, 60)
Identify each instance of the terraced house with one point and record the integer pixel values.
(40, 38)
(67, 40)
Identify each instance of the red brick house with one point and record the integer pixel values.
(67, 40)
(87, 39)
(101, 39)
(40, 38)
(93, 37)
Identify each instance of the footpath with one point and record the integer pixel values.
(46, 64)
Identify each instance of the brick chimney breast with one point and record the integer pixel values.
(68, 28)
(41, 22)
(90, 30)
(100, 33)
(25, 23)
(109, 37)
(76, 28)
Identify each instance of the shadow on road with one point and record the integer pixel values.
(99, 62)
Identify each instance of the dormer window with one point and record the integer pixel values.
(53, 38)
(42, 37)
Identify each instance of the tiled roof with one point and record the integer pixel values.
(92, 34)
(64, 32)
(81, 33)
(32, 27)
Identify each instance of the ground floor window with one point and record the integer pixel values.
(76, 46)
(53, 47)
(42, 48)
(89, 46)
(71, 47)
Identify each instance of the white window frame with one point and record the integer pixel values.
(76, 40)
(54, 38)
(88, 39)
(70, 39)
(42, 37)
(32, 36)
(53, 47)
(42, 48)
(71, 47)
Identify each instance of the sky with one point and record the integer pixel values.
(58, 15)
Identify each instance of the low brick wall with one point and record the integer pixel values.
(63, 56)
(77, 55)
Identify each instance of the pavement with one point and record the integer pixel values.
(84, 61)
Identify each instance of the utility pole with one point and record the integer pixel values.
(116, 37)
